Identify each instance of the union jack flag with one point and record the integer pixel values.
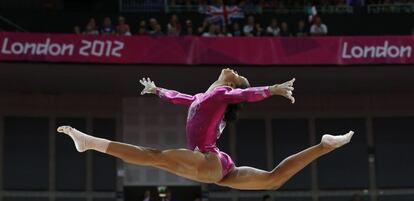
(224, 14)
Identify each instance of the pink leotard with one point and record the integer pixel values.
(205, 116)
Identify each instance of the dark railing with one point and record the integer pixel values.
(142, 5)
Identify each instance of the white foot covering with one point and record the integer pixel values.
(83, 141)
(336, 141)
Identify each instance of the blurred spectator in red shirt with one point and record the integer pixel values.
(122, 28)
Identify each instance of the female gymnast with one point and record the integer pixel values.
(207, 116)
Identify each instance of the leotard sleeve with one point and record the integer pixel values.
(252, 94)
(175, 97)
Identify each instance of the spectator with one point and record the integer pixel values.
(273, 29)
(252, 28)
(284, 29)
(236, 30)
(122, 28)
(89, 30)
(142, 30)
(189, 31)
(107, 28)
(301, 31)
(266, 198)
(318, 28)
(157, 31)
(147, 196)
(258, 30)
(77, 30)
(211, 31)
(248, 29)
(204, 27)
(174, 26)
(92, 24)
(153, 26)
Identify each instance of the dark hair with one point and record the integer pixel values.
(232, 110)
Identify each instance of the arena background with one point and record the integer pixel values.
(376, 101)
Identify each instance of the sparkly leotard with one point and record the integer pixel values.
(205, 116)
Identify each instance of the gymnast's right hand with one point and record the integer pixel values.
(149, 86)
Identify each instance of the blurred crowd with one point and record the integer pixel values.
(260, 3)
(177, 27)
(283, 3)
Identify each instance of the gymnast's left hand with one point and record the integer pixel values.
(285, 89)
(149, 86)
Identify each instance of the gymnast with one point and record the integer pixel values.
(207, 116)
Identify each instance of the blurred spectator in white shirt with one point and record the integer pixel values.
(174, 26)
(318, 28)
(249, 27)
(273, 29)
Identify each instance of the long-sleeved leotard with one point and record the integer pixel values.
(205, 115)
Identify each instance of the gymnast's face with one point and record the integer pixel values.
(231, 78)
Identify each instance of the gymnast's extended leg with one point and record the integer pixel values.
(183, 162)
(248, 178)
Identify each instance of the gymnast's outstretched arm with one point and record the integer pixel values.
(171, 96)
(254, 94)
